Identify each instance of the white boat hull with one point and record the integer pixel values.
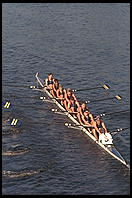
(108, 148)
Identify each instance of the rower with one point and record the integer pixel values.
(60, 94)
(71, 107)
(104, 136)
(87, 119)
(100, 124)
(54, 89)
(81, 109)
(68, 95)
(49, 81)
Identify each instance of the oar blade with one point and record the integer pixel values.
(14, 122)
(106, 87)
(118, 97)
(7, 105)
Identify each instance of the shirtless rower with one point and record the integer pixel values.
(60, 94)
(54, 89)
(49, 81)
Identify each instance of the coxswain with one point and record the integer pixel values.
(49, 81)
(60, 94)
(54, 89)
(105, 138)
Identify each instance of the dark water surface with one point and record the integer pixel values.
(84, 45)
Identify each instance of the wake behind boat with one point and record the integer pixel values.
(109, 148)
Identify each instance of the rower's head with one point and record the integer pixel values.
(50, 76)
(56, 82)
(98, 119)
(83, 105)
(69, 92)
(72, 99)
(60, 87)
(86, 113)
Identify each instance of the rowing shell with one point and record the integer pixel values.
(108, 148)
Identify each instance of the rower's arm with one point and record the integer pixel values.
(85, 122)
(65, 94)
(68, 106)
(91, 116)
(94, 123)
(53, 87)
(79, 118)
(74, 96)
(95, 126)
(104, 127)
(52, 91)
(46, 82)
(57, 93)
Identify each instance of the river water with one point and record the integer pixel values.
(83, 45)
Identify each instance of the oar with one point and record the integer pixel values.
(105, 86)
(27, 86)
(17, 85)
(118, 130)
(56, 110)
(16, 122)
(46, 100)
(116, 112)
(121, 138)
(73, 125)
(7, 105)
(115, 97)
(17, 97)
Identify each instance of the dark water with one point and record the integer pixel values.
(84, 45)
